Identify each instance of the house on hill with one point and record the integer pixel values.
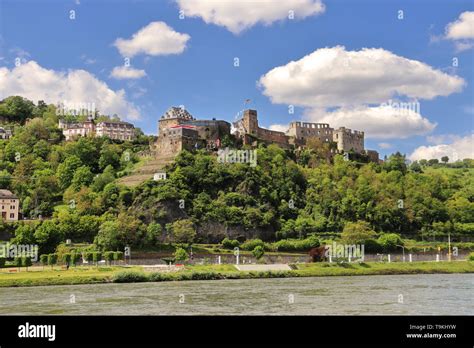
(9, 206)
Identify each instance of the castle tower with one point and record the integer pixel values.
(250, 121)
(174, 116)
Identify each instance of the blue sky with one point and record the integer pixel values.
(204, 79)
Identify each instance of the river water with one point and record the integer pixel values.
(437, 294)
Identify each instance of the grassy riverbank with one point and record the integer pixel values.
(84, 275)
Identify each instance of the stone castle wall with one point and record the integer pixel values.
(178, 130)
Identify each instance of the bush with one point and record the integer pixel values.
(129, 277)
(52, 259)
(118, 255)
(109, 256)
(250, 244)
(357, 232)
(230, 243)
(180, 254)
(96, 257)
(44, 259)
(66, 258)
(471, 257)
(88, 256)
(17, 262)
(75, 257)
(26, 262)
(372, 246)
(297, 244)
(390, 241)
(258, 252)
(308, 243)
(2, 261)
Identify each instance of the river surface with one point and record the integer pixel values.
(437, 294)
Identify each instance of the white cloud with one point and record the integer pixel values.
(461, 31)
(238, 16)
(122, 73)
(442, 138)
(463, 46)
(279, 127)
(87, 60)
(457, 150)
(155, 39)
(382, 122)
(385, 145)
(334, 77)
(462, 28)
(34, 82)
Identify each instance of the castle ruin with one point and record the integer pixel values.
(179, 130)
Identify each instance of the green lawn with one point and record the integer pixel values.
(90, 275)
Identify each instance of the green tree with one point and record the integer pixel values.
(109, 257)
(445, 159)
(75, 257)
(16, 109)
(52, 260)
(258, 252)
(390, 241)
(66, 171)
(183, 231)
(66, 258)
(44, 259)
(153, 234)
(48, 236)
(82, 177)
(357, 232)
(26, 262)
(181, 255)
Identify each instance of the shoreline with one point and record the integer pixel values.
(115, 274)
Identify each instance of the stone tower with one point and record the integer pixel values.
(250, 122)
(174, 116)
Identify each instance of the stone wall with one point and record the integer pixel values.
(348, 140)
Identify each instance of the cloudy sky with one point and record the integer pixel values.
(402, 71)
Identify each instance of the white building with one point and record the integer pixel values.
(9, 206)
(116, 130)
(5, 133)
(113, 130)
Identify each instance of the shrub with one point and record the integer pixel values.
(118, 255)
(471, 257)
(180, 254)
(258, 252)
(26, 262)
(44, 259)
(2, 261)
(297, 244)
(66, 258)
(75, 257)
(52, 259)
(204, 276)
(96, 257)
(230, 243)
(372, 246)
(109, 256)
(17, 262)
(88, 255)
(389, 241)
(129, 277)
(357, 232)
(308, 243)
(250, 244)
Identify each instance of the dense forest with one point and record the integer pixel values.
(68, 190)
